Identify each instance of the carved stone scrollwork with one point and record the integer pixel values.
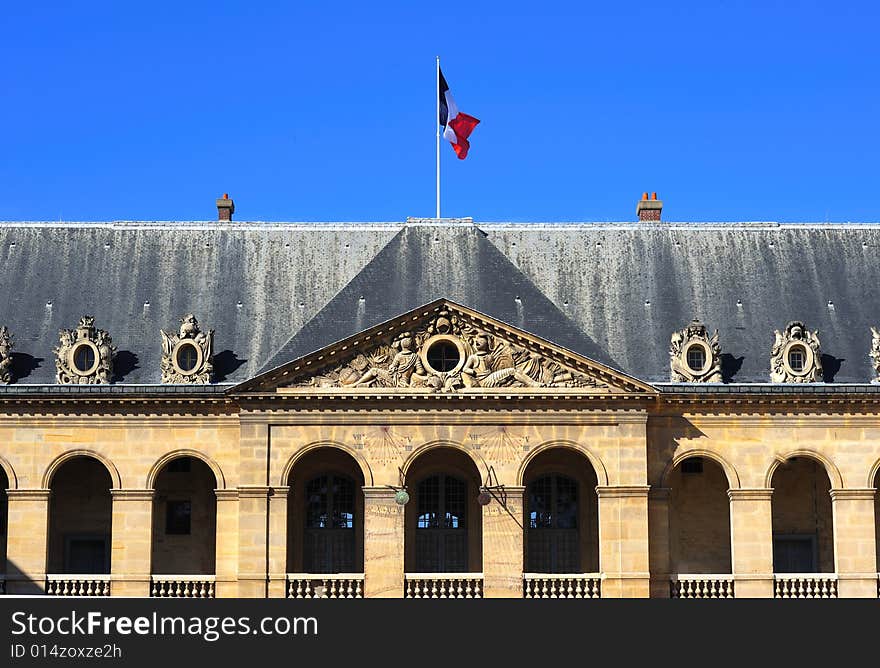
(85, 355)
(188, 356)
(446, 355)
(6, 344)
(874, 353)
(796, 356)
(694, 356)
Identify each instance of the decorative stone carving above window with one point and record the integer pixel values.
(188, 356)
(446, 354)
(85, 355)
(874, 353)
(5, 356)
(796, 357)
(694, 356)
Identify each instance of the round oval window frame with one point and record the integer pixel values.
(707, 358)
(809, 358)
(71, 358)
(200, 357)
(438, 338)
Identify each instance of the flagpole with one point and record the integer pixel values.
(437, 121)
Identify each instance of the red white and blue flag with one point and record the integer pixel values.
(457, 127)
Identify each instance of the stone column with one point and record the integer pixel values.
(623, 541)
(27, 534)
(226, 545)
(503, 544)
(278, 542)
(131, 542)
(383, 544)
(751, 542)
(855, 559)
(658, 541)
(253, 508)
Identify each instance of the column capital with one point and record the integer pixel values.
(132, 494)
(253, 492)
(622, 491)
(378, 493)
(28, 493)
(862, 494)
(750, 494)
(659, 493)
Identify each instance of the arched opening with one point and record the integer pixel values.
(325, 514)
(561, 514)
(443, 518)
(699, 517)
(4, 519)
(184, 519)
(877, 517)
(80, 517)
(803, 537)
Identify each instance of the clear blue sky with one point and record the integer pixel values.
(326, 110)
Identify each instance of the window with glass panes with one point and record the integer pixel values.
(329, 529)
(552, 529)
(441, 525)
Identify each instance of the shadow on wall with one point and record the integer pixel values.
(225, 364)
(729, 366)
(124, 363)
(830, 367)
(23, 365)
(19, 583)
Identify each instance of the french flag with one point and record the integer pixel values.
(457, 127)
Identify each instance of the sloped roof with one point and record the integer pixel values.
(610, 292)
(423, 263)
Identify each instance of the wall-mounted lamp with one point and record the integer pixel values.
(401, 496)
(491, 489)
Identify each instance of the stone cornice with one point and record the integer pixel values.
(750, 493)
(226, 494)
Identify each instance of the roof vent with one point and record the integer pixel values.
(649, 209)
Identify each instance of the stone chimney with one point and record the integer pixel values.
(225, 208)
(649, 209)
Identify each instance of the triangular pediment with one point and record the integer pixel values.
(444, 348)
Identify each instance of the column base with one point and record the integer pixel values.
(757, 586)
(624, 585)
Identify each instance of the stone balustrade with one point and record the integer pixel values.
(331, 585)
(78, 585)
(805, 585)
(182, 586)
(443, 585)
(562, 585)
(701, 585)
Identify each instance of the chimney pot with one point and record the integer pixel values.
(225, 208)
(649, 210)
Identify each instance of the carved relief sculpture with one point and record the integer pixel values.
(795, 356)
(188, 355)
(5, 356)
(874, 353)
(694, 356)
(448, 355)
(84, 355)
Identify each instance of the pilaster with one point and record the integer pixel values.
(623, 541)
(854, 543)
(278, 542)
(27, 536)
(383, 544)
(503, 544)
(131, 542)
(751, 541)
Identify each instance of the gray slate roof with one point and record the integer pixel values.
(276, 291)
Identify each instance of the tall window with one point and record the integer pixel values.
(441, 525)
(553, 534)
(329, 528)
